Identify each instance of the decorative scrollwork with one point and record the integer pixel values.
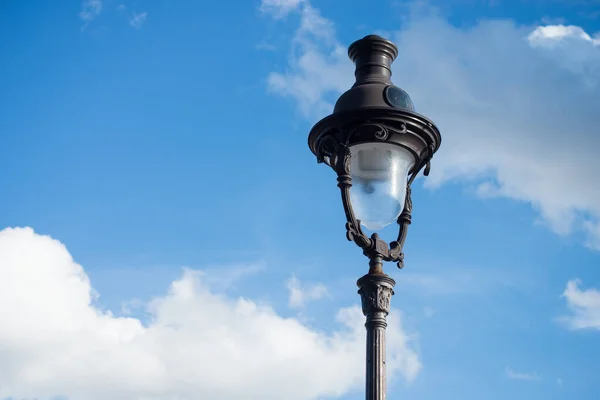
(403, 129)
(375, 297)
(369, 131)
(430, 151)
(326, 148)
(337, 155)
(408, 202)
(381, 133)
(403, 221)
(395, 253)
(341, 163)
(427, 168)
(355, 234)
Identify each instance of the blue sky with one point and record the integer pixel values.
(166, 233)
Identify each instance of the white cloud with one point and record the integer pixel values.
(90, 9)
(554, 35)
(571, 48)
(584, 306)
(318, 71)
(199, 343)
(518, 117)
(138, 20)
(522, 376)
(302, 294)
(279, 8)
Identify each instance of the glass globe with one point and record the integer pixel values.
(379, 175)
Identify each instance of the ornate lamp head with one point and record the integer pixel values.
(377, 144)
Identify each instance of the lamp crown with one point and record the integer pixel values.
(372, 57)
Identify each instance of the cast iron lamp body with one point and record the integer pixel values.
(374, 111)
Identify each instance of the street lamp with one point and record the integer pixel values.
(376, 144)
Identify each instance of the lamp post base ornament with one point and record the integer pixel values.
(376, 290)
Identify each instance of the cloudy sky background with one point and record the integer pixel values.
(165, 233)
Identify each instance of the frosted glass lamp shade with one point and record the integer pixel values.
(379, 175)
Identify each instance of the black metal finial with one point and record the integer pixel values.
(373, 57)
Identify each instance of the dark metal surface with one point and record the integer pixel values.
(374, 110)
(376, 292)
(365, 114)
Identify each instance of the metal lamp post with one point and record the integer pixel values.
(376, 144)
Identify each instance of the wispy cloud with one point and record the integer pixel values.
(266, 46)
(90, 9)
(279, 8)
(584, 306)
(301, 294)
(226, 277)
(522, 376)
(138, 20)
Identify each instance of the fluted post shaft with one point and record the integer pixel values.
(376, 290)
